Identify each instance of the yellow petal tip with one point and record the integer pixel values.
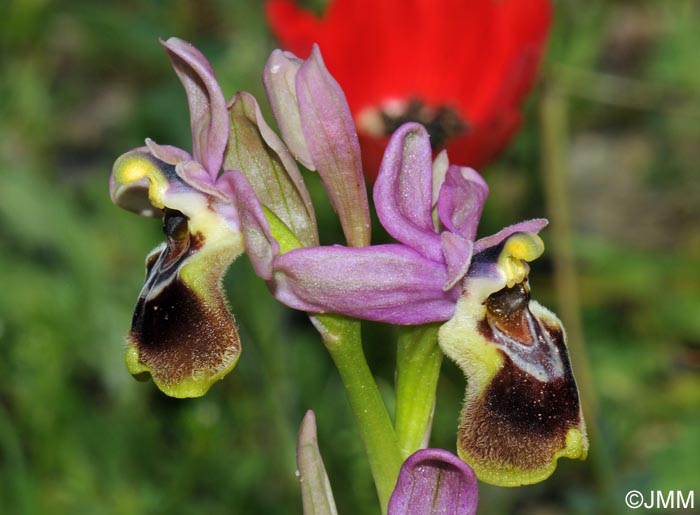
(137, 165)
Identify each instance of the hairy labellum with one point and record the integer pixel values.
(521, 410)
(182, 334)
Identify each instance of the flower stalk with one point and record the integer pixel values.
(418, 360)
(316, 124)
(342, 337)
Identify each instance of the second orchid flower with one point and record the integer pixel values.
(521, 410)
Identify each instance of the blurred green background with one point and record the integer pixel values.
(82, 82)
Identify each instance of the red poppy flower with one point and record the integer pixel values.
(460, 67)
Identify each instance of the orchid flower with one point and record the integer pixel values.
(469, 65)
(182, 333)
(521, 410)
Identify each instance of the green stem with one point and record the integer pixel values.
(418, 361)
(342, 337)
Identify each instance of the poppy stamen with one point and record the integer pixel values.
(443, 123)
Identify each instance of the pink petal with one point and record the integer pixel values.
(387, 283)
(403, 191)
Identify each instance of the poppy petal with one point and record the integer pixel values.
(294, 26)
(492, 64)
